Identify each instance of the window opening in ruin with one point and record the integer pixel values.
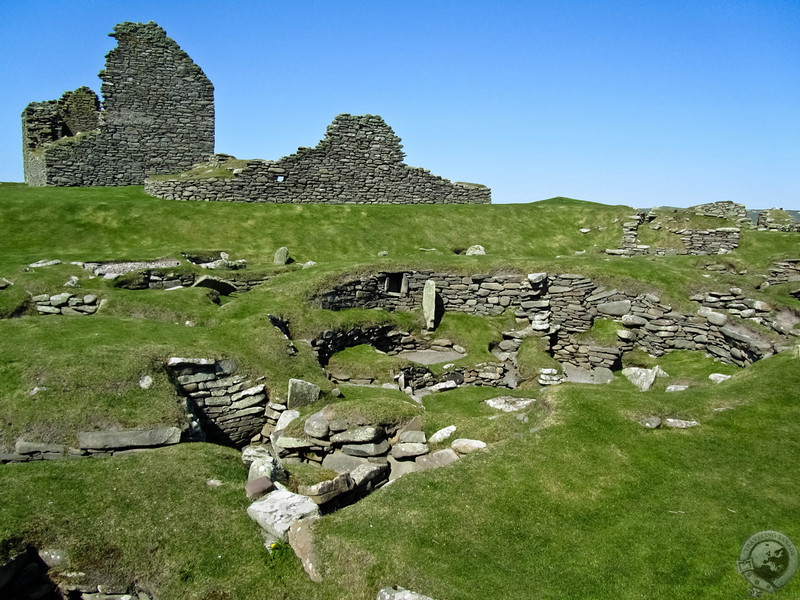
(396, 284)
(280, 178)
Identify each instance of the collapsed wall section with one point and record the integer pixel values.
(157, 117)
(360, 160)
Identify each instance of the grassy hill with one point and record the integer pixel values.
(579, 502)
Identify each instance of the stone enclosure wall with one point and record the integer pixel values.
(559, 306)
(785, 271)
(157, 116)
(720, 240)
(359, 161)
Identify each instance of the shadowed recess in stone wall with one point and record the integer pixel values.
(359, 161)
(157, 117)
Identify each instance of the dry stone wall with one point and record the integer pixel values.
(359, 161)
(66, 304)
(230, 408)
(710, 241)
(776, 219)
(695, 241)
(785, 271)
(561, 305)
(478, 294)
(95, 444)
(157, 117)
(724, 210)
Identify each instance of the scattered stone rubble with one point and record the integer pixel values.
(655, 422)
(365, 456)
(160, 274)
(398, 593)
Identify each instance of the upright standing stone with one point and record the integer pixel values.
(429, 303)
(301, 393)
(281, 256)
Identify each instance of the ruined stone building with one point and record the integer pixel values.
(157, 119)
(157, 116)
(359, 161)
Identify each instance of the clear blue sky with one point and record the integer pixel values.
(643, 103)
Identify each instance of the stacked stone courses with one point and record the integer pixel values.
(360, 161)
(724, 209)
(157, 116)
(560, 305)
(230, 407)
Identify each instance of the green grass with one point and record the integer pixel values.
(579, 501)
(153, 519)
(365, 362)
(602, 333)
(306, 474)
(594, 506)
(533, 356)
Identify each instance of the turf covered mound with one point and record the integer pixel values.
(571, 486)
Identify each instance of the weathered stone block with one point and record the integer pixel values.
(276, 512)
(301, 393)
(129, 438)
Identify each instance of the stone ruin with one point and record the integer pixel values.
(157, 116)
(360, 160)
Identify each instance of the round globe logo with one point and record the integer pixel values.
(767, 560)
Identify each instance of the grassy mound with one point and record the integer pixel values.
(573, 497)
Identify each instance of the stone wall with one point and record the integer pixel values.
(383, 337)
(724, 210)
(710, 241)
(697, 242)
(478, 294)
(776, 219)
(157, 117)
(785, 271)
(66, 304)
(359, 161)
(95, 444)
(561, 305)
(230, 408)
